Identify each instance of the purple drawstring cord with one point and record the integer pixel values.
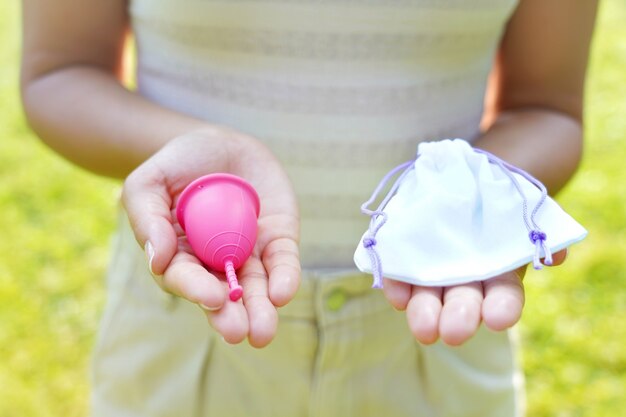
(369, 241)
(535, 234)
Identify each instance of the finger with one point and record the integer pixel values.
(281, 259)
(147, 204)
(460, 315)
(423, 313)
(558, 258)
(262, 314)
(504, 301)
(397, 293)
(187, 278)
(231, 321)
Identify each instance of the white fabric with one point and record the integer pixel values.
(458, 218)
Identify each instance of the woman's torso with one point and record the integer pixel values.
(340, 90)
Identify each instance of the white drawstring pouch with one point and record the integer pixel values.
(456, 215)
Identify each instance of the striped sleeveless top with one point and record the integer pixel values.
(340, 90)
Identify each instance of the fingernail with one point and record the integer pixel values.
(207, 308)
(149, 254)
(227, 342)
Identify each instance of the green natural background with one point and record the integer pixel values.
(56, 222)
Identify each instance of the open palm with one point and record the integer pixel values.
(270, 277)
(454, 313)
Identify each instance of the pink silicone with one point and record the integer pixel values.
(218, 213)
(236, 291)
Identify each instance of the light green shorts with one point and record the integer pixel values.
(340, 351)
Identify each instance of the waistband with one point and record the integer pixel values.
(333, 296)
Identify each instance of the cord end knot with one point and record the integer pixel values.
(539, 240)
(536, 236)
(368, 242)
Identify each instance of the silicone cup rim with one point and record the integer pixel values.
(192, 188)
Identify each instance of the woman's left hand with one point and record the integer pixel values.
(454, 313)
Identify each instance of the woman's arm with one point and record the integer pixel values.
(75, 102)
(534, 106)
(534, 120)
(71, 90)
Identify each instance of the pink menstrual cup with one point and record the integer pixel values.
(218, 213)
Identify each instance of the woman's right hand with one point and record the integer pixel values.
(271, 275)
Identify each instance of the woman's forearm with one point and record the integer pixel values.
(86, 115)
(546, 143)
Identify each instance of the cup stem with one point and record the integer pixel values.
(236, 291)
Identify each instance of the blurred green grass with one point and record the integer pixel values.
(56, 221)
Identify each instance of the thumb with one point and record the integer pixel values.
(147, 204)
